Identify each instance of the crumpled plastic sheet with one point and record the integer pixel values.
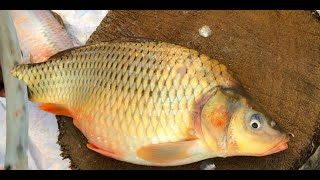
(81, 23)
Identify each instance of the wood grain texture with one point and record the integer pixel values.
(274, 54)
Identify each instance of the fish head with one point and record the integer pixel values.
(233, 124)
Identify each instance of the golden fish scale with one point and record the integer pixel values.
(124, 95)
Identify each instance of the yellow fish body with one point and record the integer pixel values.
(152, 103)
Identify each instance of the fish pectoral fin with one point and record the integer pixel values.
(104, 152)
(167, 152)
(57, 109)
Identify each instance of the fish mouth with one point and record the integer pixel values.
(282, 145)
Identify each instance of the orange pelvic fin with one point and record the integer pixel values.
(167, 152)
(57, 109)
(104, 152)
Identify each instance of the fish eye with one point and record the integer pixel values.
(255, 121)
(255, 124)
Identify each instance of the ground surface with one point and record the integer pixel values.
(275, 54)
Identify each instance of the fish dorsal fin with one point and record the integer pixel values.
(64, 52)
(67, 51)
(58, 18)
(133, 39)
(168, 152)
(123, 39)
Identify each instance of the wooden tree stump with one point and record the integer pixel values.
(275, 54)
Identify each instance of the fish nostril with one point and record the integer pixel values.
(272, 124)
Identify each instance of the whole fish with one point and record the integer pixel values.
(41, 34)
(152, 103)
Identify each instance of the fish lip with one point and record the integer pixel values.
(282, 145)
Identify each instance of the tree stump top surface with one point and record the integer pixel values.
(274, 54)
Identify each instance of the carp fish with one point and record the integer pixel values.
(152, 103)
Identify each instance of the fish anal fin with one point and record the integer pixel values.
(57, 109)
(104, 152)
(167, 152)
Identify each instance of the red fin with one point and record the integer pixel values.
(56, 109)
(104, 152)
(167, 152)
